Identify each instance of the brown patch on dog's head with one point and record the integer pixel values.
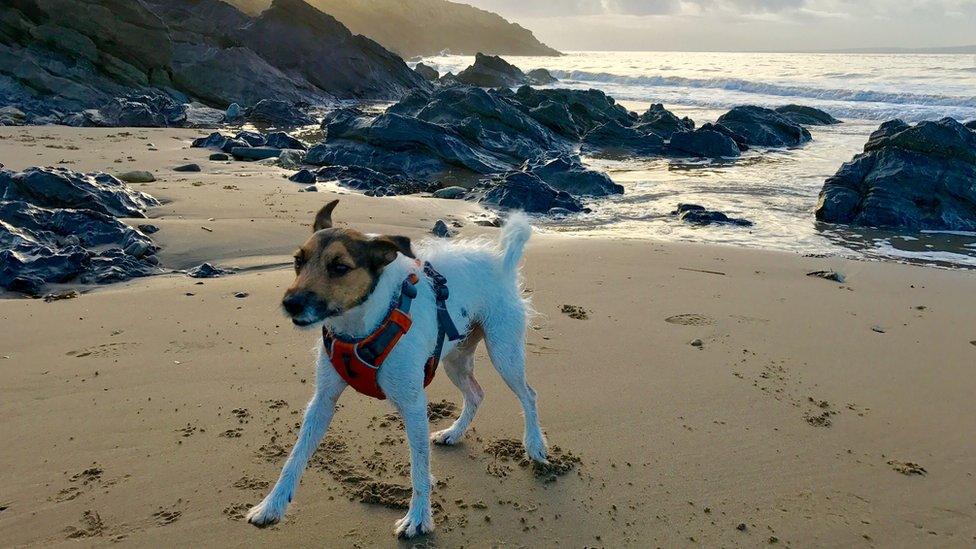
(337, 269)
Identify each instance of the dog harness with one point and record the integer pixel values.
(358, 361)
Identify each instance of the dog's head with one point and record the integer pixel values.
(337, 269)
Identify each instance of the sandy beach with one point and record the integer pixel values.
(806, 413)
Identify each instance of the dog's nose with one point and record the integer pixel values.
(294, 303)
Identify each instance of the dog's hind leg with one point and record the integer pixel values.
(318, 415)
(460, 368)
(505, 340)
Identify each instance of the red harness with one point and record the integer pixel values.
(358, 361)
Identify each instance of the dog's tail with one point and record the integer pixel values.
(515, 233)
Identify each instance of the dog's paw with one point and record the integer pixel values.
(415, 524)
(535, 449)
(447, 437)
(266, 513)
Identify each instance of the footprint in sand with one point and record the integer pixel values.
(92, 526)
(165, 516)
(690, 319)
(237, 510)
(508, 450)
(104, 350)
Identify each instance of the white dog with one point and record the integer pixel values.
(351, 285)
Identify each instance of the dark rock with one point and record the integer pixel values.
(230, 144)
(207, 270)
(909, 177)
(663, 122)
(281, 140)
(526, 192)
(971, 125)
(215, 140)
(807, 116)
(427, 72)
(703, 143)
(566, 172)
(370, 181)
(187, 168)
(41, 245)
(63, 188)
(305, 177)
(612, 138)
(137, 176)
(828, 275)
(740, 141)
(253, 139)
(234, 113)
(291, 159)
(147, 228)
(12, 116)
(763, 127)
(541, 77)
(273, 112)
(441, 229)
(588, 108)
(451, 193)
(491, 71)
(699, 215)
(255, 153)
(556, 117)
(219, 157)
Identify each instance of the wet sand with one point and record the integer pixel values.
(697, 394)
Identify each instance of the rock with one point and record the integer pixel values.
(614, 139)
(908, 177)
(441, 229)
(188, 168)
(738, 139)
(588, 108)
(281, 140)
(451, 193)
(234, 113)
(697, 343)
(541, 77)
(291, 159)
(137, 176)
(215, 140)
(309, 189)
(255, 153)
(207, 270)
(699, 215)
(241, 295)
(40, 246)
(556, 117)
(526, 192)
(427, 72)
(806, 116)
(703, 143)
(231, 144)
(253, 139)
(197, 115)
(218, 157)
(971, 125)
(12, 116)
(491, 71)
(565, 172)
(763, 127)
(828, 275)
(369, 181)
(663, 122)
(63, 188)
(147, 228)
(304, 176)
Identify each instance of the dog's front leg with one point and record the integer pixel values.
(318, 415)
(419, 518)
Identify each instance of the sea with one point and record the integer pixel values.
(776, 189)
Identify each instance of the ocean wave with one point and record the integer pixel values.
(764, 88)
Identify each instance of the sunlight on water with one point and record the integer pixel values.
(775, 189)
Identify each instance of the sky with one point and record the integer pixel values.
(737, 25)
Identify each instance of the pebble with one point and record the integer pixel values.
(187, 168)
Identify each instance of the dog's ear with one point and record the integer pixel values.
(383, 249)
(323, 219)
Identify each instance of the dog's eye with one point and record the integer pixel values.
(299, 263)
(338, 269)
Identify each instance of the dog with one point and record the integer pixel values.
(346, 282)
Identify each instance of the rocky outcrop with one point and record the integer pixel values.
(908, 177)
(527, 192)
(565, 172)
(702, 143)
(58, 226)
(587, 108)
(491, 71)
(427, 72)
(700, 215)
(64, 56)
(761, 127)
(541, 77)
(806, 116)
(426, 27)
(971, 125)
(663, 122)
(248, 145)
(614, 139)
